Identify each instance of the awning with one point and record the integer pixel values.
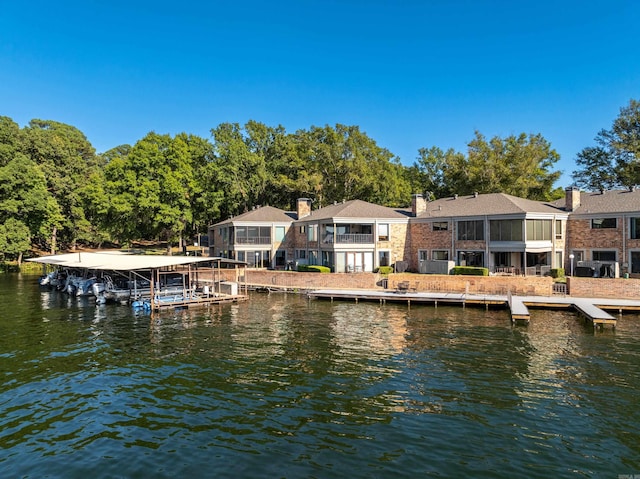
(119, 261)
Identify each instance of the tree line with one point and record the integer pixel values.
(57, 192)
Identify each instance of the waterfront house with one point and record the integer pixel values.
(592, 233)
(258, 237)
(504, 233)
(352, 236)
(603, 231)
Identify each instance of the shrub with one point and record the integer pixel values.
(557, 273)
(470, 270)
(384, 270)
(313, 268)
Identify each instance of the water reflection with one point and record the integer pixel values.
(313, 388)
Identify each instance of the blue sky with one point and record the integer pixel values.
(411, 74)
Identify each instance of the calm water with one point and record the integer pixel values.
(283, 387)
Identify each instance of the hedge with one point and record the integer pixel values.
(470, 270)
(313, 268)
(557, 273)
(384, 270)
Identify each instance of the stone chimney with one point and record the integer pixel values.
(418, 204)
(303, 207)
(572, 198)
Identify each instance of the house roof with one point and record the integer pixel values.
(614, 201)
(355, 209)
(263, 214)
(486, 204)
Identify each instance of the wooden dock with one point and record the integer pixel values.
(593, 309)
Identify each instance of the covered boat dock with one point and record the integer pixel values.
(174, 281)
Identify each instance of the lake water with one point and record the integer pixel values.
(281, 386)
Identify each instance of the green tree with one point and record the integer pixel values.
(615, 160)
(351, 165)
(148, 193)
(517, 165)
(64, 154)
(241, 171)
(10, 139)
(15, 239)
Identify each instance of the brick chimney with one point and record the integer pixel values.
(572, 198)
(418, 204)
(303, 207)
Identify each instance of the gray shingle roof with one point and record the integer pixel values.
(354, 209)
(486, 204)
(263, 214)
(615, 201)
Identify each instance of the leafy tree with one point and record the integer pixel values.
(241, 171)
(148, 193)
(615, 160)
(64, 155)
(15, 239)
(517, 165)
(10, 139)
(436, 171)
(24, 196)
(351, 165)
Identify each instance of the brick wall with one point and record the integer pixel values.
(294, 279)
(427, 283)
(528, 286)
(604, 288)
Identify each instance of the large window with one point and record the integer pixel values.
(440, 255)
(471, 258)
(505, 230)
(601, 223)
(253, 234)
(538, 230)
(603, 255)
(471, 230)
(635, 228)
(384, 258)
(280, 232)
(635, 261)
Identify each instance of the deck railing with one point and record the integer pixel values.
(254, 240)
(349, 239)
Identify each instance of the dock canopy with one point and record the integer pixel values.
(121, 261)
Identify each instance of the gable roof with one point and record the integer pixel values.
(486, 204)
(263, 214)
(355, 209)
(614, 201)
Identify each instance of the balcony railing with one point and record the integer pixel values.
(254, 240)
(349, 239)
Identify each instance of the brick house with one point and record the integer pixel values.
(260, 237)
(592, 232)
(501, 232)
(352, 236)
(603, 229)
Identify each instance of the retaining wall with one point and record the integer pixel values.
(604, 288)
(530, 286)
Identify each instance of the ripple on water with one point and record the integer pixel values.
(286, 387)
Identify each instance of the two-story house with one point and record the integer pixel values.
(501, 232)
(352, 236)
(603, 228)
(259, 237)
